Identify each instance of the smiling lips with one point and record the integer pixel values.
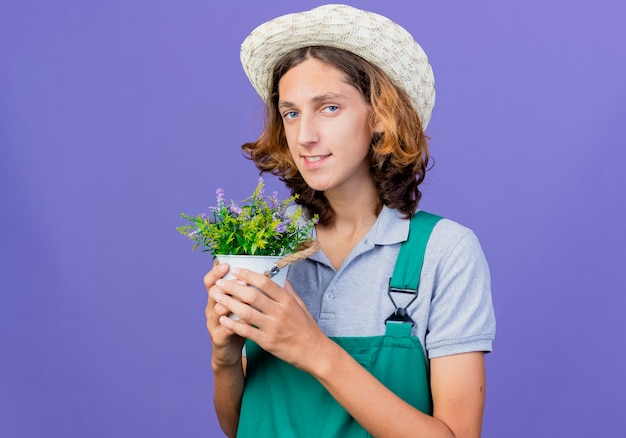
(315, 158)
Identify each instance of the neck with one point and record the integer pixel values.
(355, 208)
(356, 212)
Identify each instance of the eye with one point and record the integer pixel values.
(331, 109)
(290, 115)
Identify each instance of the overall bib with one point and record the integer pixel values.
(280, 400)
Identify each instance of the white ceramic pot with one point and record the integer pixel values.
(254, 263)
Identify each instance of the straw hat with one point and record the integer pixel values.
(373, 37)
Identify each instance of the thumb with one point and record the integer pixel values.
(217, 272)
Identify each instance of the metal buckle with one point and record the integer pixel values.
(400, 314)
(272, 270)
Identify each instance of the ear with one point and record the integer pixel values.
(376, 125)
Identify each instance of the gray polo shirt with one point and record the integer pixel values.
(453, 312)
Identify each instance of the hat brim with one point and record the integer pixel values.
(371, 36)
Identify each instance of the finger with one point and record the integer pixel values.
(217, 272)
(214, 310)
(240, 306)
(250, 295)
(241, 328)
(220, 310)
(260, 281)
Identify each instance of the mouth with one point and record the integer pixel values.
(314, 158)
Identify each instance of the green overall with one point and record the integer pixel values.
(280, 400)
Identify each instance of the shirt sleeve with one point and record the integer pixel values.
(461, 317)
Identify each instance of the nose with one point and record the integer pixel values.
(308, 134)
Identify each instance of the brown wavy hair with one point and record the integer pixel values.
(399, 156)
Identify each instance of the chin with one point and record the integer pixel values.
(319, 186)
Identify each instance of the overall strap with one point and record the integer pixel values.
(406, 274)
(408, 268)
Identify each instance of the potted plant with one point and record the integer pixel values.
(255, 234)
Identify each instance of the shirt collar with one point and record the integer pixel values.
(390, 227)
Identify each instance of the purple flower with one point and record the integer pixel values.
(275, 200)
(220, 196)
(234, 208)
(281, 227)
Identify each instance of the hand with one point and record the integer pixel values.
(276, 319)
(227, 345)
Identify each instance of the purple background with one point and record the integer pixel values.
(116, 116)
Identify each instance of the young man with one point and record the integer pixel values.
(349, 346)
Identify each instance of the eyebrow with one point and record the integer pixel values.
(321, 98)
